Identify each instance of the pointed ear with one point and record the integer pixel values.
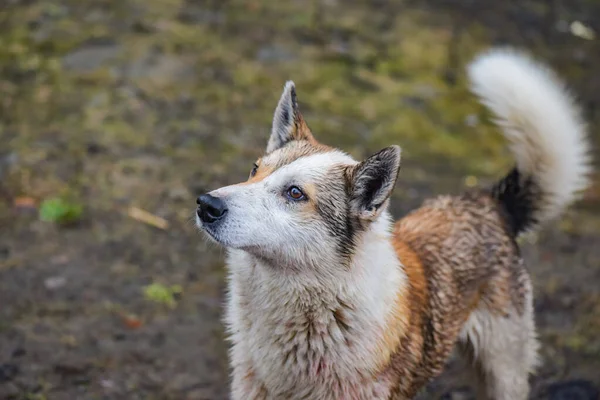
(372, 182)
(288, 123)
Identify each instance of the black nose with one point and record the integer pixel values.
(210, 208)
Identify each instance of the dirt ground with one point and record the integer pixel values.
(148, 103)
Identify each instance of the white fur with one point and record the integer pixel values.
(505, 349)
(267, 316)
(540, 121)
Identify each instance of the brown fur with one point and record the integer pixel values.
(406, 319)
(456, 253)
(301, 131)
(261, 173)
(399, 319)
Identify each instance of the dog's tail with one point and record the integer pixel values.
(546, 135)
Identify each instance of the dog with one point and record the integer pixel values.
(328, 298)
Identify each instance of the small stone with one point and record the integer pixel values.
(107, 384)
(55, 282)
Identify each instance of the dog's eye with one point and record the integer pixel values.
(254, 169)
(295, 193)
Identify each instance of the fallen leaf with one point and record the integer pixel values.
(580, 30)
(144, 216)
(131, 321)
(24, 202)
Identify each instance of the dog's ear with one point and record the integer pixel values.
(372, 182)
(288, 123)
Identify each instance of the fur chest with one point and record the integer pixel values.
(291, 342)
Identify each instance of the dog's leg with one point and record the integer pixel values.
(502, 350)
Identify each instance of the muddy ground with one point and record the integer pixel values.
(147, 103)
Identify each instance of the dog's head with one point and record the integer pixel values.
(304, 203)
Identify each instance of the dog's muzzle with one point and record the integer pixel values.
(210, 208)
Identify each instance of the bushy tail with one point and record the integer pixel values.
(545, 131)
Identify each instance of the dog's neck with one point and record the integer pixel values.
(332, 323)
(374, 269)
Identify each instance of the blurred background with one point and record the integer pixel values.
(115, 115)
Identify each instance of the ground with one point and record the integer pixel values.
(109, 105)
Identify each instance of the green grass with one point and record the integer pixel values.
(162, 294)
(60, 211)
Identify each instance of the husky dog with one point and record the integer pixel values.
(330, 299)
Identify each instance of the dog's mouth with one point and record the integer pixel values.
(208, 231)
(218, 234)
(210, 234)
